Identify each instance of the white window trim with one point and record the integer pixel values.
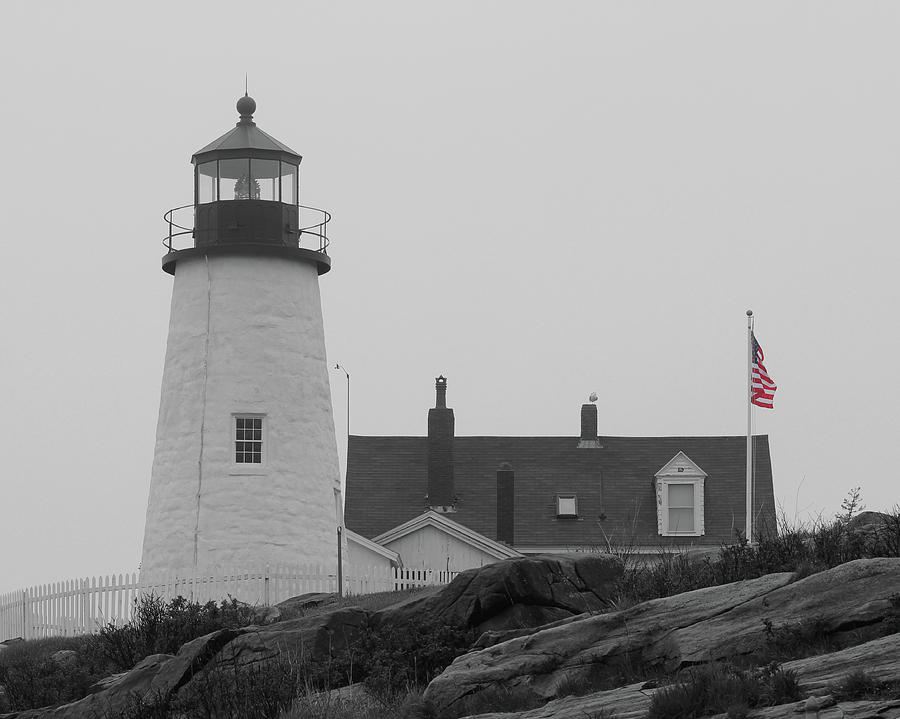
(680, 470)
(559, 513)
(249, 468)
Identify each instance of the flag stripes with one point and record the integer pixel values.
(762, 388)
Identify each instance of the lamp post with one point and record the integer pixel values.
(340, 529)
(344, 370)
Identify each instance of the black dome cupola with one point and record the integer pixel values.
(247, 196)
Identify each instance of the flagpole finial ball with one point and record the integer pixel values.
(749, 313)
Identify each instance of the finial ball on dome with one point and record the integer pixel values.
(246, 106)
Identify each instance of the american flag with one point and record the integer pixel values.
(762, 388)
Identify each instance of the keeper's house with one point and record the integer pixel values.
(450, 503)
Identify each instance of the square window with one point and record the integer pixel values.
(566, 505)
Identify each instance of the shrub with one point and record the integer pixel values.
(395, 660)
(32, 679)
(158, 627)
(261, 691)
(498, 698)
(780, 686)
(857, 685)
(805, 638)
(804, 549)
(330, 706)
(721, 688)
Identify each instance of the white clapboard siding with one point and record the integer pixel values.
(83, 606)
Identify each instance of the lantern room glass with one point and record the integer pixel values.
(234, 180)
(264, 177)
(247, 179)
(206, 182)
(289, 183)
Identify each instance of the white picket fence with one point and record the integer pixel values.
(82, 606)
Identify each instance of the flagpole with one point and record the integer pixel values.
(749, 527)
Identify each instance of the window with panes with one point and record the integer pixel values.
(681, 507)
(248, 440)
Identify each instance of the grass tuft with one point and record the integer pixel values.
(723, 689)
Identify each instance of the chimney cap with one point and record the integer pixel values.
(440, 392)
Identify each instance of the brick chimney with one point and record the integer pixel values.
(441, 429)
(506, 504)
(589, 438)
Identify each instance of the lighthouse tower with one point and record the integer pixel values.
(245, 470)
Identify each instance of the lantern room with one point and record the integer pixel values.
(247, 200)
(246, 187)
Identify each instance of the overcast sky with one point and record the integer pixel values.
(538, 200)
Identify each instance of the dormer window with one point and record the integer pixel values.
(566, 505)
(679, 498)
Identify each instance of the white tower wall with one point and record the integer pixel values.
(245, 338)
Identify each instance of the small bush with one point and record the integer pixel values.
(803, 549)
(723, 689)
(331, 706)
(780, 686)
(806, 638)
(497, 698)
(393, 661)
(261, 691)
(857, 685)
(158, 627)
(33, 679)
(683, 700)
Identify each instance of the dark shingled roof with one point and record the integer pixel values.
(387, 483)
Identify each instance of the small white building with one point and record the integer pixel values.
(434, 541)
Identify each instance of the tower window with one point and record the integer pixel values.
(248, 440)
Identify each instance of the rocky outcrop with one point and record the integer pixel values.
(581, 651)
(512, 594)
(627, 702)
(515, 593)
(879, 658)
(191, 658)
(816, 675)
(695, 627)
(312, 638)
(300, 605)
(593, 649)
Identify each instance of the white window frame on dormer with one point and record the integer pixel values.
(680, 470)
